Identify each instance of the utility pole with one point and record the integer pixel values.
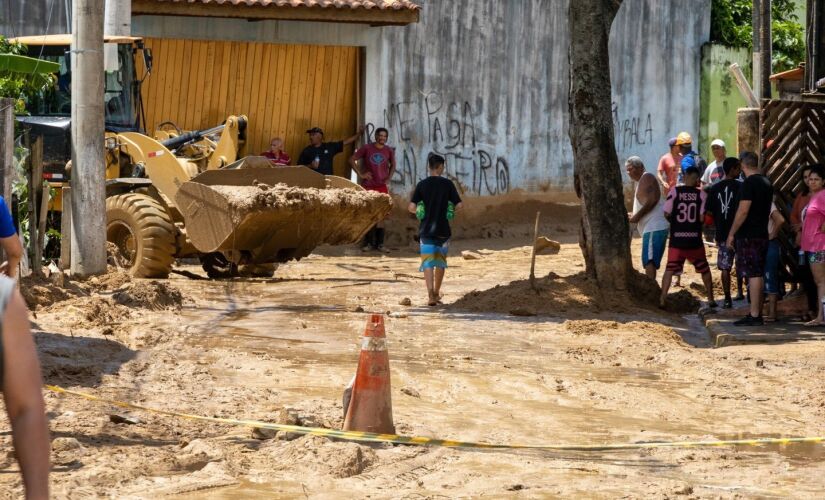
(118, 21)
(88, 179)
(756, 22)
(765, 54)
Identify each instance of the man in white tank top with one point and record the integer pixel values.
(648, 215)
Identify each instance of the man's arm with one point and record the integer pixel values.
(14, 252)
(304, 159)
(738, 220)
(359, 155)
(22, 388)
(650, 197)
(351, 139)
(778, 222)
(411, 208)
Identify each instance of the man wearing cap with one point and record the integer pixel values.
(690, 158)
(668, 169)
(319, 154)
(715, 173)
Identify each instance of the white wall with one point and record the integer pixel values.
(485, 82)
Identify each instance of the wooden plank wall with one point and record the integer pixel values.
(283, 89)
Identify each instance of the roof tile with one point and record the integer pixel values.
(324, 4)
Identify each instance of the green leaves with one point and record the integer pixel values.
(731, 25)
(22, 77)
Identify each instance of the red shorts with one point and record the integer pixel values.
(676, 259)
(380, 189)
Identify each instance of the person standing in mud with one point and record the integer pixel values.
(434, 202)
(648, 215)
(685, 208)
(319, 154)
(377, 165)
(723, 201)
(22, 385)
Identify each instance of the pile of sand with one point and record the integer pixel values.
(573, 296)
(40, 292)
(653, 331)
(154, 295)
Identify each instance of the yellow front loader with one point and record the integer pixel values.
(188, 195)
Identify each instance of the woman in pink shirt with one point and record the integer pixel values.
(813, 236)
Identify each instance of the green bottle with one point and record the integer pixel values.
(419, 211)
(450, 210)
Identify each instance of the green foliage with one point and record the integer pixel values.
(731, 24)
(22, 78)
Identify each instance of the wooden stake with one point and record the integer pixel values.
(533, 256)
(35, 186)
(41, 226)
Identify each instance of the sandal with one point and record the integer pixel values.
(815, 322)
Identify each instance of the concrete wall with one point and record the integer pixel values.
(485, 82)
(720, 96)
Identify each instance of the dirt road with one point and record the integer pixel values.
(251, 348)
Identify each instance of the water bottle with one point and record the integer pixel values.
(801, 258)
(317, 160)
(419, 211)
(450, 210)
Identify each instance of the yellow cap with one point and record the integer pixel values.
(683, 138)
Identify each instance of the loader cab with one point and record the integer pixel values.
(121, 83)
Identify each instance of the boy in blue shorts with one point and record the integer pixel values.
(434, 203)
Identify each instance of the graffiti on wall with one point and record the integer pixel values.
(448, 128)
(631, 131)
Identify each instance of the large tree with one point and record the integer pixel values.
(605, 228)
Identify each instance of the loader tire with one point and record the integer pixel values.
(143, 232)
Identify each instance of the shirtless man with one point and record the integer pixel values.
(648, 215)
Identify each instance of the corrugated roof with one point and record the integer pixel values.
(324, 4)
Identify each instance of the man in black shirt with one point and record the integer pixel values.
(750, 234)
(723, 200)
(319, 154)
(434, 203)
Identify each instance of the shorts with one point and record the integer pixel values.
(816, 257)
(751, 254)
(772, 268)
(434, 254)
(653, 247)
(676, 259)
(724, 260)
(380, 188)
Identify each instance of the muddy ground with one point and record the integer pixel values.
(581, 371)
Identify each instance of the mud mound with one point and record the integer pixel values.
(99, 311)
(320, 455)
(155, 295)
(682, 302)
(115, 257)
(652, 331)
(109, 281)
(573, 296)
(39, 292)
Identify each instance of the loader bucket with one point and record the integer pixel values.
(275, 214)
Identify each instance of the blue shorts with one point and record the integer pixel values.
(772, 268)
(434, 254)
(653, 247)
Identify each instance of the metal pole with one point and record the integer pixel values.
(118, 19)
(88, 174)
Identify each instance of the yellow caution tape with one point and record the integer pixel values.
(425, 441)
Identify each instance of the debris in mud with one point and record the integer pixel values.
(468, 255)
(124, 419)
(153, 295)
(320, 455)
(115, 256)
(66, 451)
(652, 331)
(109, 281)
(283, 416)
(39, 292)
(545, 245)
(522, 311)
(409, 391)
(682, 302)
(406, 301)
(100, 311)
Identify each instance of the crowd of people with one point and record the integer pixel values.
(731, 196)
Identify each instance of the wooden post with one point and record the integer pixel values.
(533, 254)
(744, 88)
(765, 54)
(66, 230)
(88, 180)
(41, 223)
(35, 193)
(7, 172)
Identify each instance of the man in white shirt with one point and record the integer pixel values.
(715, 173)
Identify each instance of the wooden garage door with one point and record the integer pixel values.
(283, 89)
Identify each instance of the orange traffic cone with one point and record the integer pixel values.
(370, 403)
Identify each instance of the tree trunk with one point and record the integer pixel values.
(606, 244)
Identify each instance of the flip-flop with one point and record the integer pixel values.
(814, 323)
